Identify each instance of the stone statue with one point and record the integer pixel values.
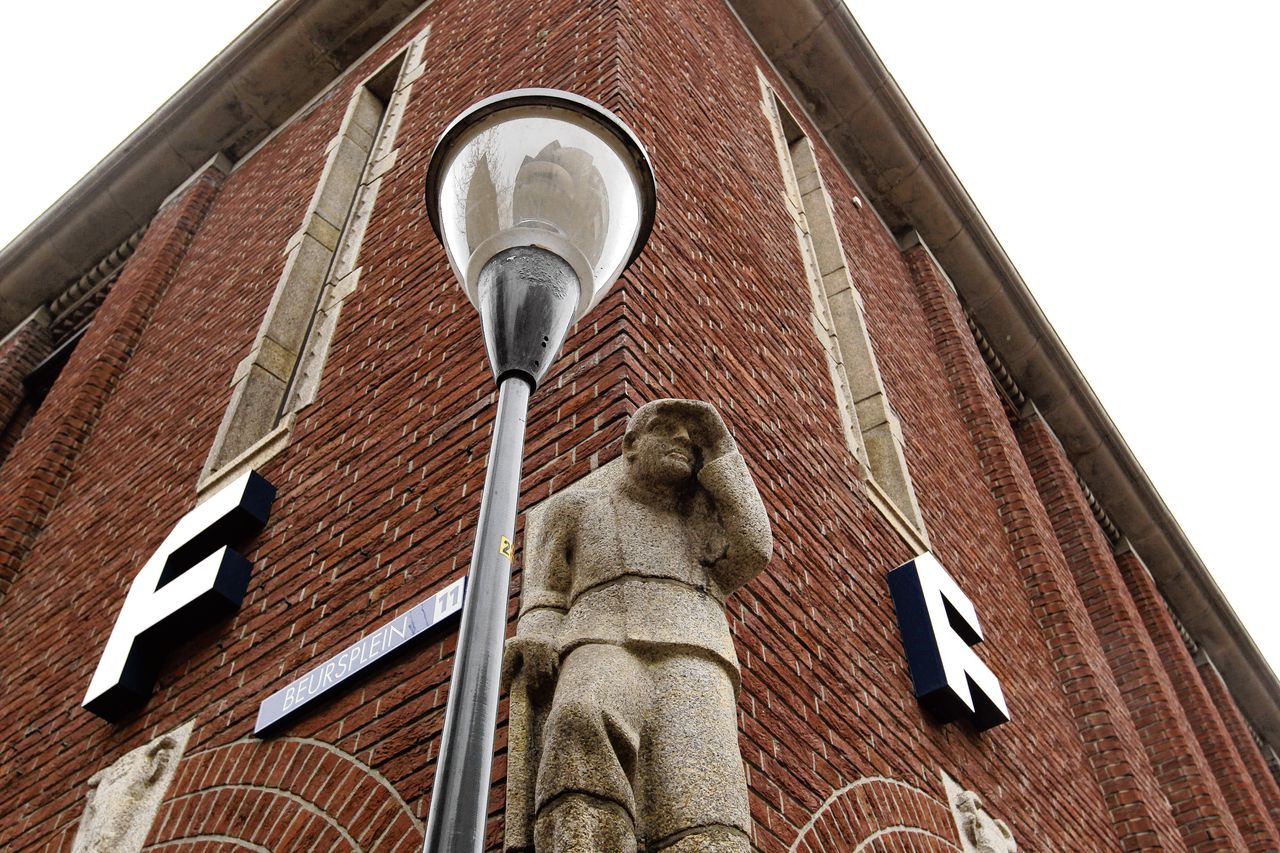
(125, 796)
(981, 832)
(623, 674)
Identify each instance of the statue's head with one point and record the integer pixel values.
(666, 442)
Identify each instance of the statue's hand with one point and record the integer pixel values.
(714, 436)
(536, 657)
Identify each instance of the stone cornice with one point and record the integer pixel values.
(252, 87)
(299, 46)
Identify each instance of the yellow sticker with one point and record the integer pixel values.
(504, 548)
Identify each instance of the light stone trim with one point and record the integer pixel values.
(820, 317)
(281, 373)
(344, 276)
(40, 316)
(75, 306)
(227, 840)
(253, 457)
(872, 841)
(904, 526)
(873, 432)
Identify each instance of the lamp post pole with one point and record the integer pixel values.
(460, 797)
(527, 298)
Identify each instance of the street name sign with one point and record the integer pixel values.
(360, 655)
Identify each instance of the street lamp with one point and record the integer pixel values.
(541, 199)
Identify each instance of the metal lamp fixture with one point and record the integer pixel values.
(541, 199)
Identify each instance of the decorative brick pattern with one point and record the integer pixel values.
(47, 453)
(20, 352)
(289, 794)
(1261, 775)
(1207, 712)
(878, 814)
(1176, 757)
(1139, 811)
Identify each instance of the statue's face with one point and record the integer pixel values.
(664, 454)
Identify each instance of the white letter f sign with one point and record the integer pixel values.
(191, 579)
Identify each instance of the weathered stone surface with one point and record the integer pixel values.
(980, 831)
(577, 822)
(714, 839)
(623, 672)
(124, 796)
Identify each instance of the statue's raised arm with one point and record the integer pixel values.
(744, 542)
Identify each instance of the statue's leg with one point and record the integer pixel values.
(585, 787)
(693, 787)
(576, 823)
(710, 839)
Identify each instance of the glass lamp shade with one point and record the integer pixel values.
(547, 169)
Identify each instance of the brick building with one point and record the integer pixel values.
(249, 283)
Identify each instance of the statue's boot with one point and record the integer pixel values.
(711, 839)
(581, 824)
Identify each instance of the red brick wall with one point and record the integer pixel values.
(1204, 711)
(46, 456)
(1263, 777)
(379, 488)
(1138, 812)
(1179, 764)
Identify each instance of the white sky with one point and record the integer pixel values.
(1123, 152)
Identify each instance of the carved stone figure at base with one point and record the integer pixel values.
(124, 796)
(623, 674)
(979, 830)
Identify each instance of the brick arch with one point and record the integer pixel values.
(286, 794)
(878, 815)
